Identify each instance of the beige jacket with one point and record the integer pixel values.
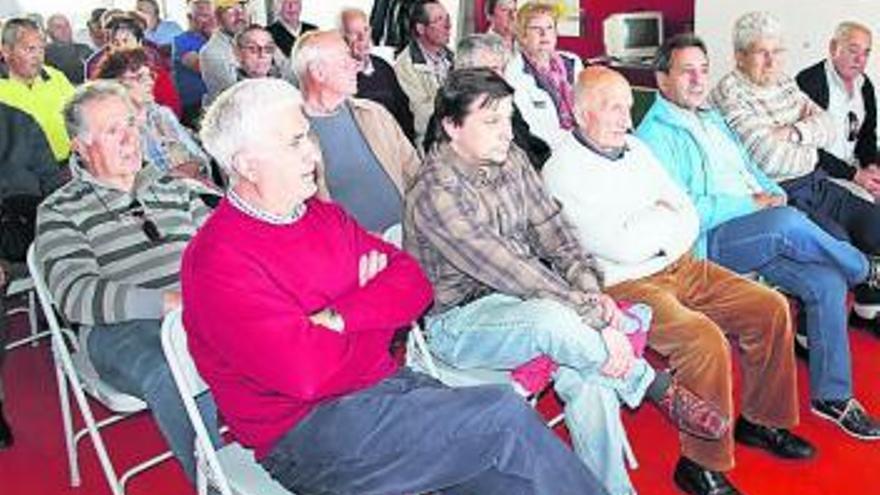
(388, 143)
(420, 84)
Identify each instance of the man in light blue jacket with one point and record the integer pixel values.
(745, 225)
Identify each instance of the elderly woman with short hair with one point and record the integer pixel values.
(166, 143)
(784, 132)
(542, 75)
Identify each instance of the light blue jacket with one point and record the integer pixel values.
(673, 141)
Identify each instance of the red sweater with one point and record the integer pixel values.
(248, 289)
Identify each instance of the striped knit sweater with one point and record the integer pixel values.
(100, 266)
(753, 112)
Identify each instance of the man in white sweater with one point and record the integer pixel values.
(641, 227)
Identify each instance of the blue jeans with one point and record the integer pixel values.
(789, 250)
(503, 332)
(411, 434)
(129, 357)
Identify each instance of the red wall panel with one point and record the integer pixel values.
(678, 16)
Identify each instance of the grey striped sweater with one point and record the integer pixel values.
(753, 112)
(100, 266)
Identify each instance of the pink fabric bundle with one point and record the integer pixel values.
(536, 374)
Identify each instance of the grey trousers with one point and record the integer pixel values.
(411, 434)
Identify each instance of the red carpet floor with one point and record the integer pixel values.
(37, 465)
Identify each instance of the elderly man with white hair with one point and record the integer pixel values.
(839, 85)
(109, 242)
(784, 132)
(376, 79)
(368, 163)
(317, 300)
(288, 26)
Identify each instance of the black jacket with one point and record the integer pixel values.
(282, 37)
(383, 87)
(814, 83)
(27, 165)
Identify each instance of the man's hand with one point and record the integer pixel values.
(171, 300)
(328, 319)
(620, 353)
(764, 200)
(370, 265)
(786, 133)
(869, 178)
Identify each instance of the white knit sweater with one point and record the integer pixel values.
(754, 112)
(627, 212)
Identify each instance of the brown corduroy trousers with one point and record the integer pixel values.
(697, 305)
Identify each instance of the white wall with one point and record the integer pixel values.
(808, 25)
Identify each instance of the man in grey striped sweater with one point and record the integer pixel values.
(110, 243)
(784, 132)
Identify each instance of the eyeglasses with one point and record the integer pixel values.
(144, 75)
(148, 226)
(852, 121)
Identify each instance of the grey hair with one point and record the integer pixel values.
(12, 29)
(753, 27)
(304, 55)
(845, 29)
(471, 46)
(85, 94)
(237, 118)
(350, 12)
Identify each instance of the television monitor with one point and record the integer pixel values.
(633, 35)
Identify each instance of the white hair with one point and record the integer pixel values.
(470, 47)
(85, 94)
(240, 117)
(753, 27)
(304, 55)
(348, 12)
(845, 29)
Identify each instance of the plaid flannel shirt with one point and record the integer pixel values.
(493, 228)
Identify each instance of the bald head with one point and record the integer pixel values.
(324, 66)
(603, 100)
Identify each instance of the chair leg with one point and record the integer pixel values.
(67, 423)
(89, 420)
(32, 318)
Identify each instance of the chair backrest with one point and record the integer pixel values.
(76, 364)
(47, 304)
(190, 384)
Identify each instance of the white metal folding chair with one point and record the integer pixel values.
(231, 469)
(75, 374)
(24, 285)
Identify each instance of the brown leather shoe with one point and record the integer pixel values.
(691, 414)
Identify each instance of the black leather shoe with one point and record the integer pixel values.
(697, 480)
(778, 441)
(850, 416)
(6, 438)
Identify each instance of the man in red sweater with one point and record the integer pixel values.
(290, 308)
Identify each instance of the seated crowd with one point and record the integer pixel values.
(247, 174)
